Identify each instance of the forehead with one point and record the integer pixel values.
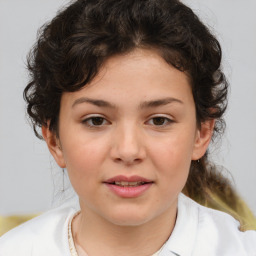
(138, 75)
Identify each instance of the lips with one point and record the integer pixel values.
(129, 184)
(128, 187)
(123, 181)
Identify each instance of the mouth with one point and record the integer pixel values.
(128, 187)
(124, 181)
(129, 184)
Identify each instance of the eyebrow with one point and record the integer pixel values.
(143, 105)
(159, 102)
(99, 103)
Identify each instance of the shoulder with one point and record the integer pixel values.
(42, 235)
(219, 231)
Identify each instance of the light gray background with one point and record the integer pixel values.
(29, 178)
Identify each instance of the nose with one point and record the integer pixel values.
(127, 145)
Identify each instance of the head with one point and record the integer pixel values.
(86, 40)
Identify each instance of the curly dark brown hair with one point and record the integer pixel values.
(75, 44)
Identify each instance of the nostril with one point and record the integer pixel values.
(128, 161)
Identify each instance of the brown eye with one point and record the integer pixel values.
(95, 121)
(159, 120)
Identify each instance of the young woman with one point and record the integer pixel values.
(128, 95)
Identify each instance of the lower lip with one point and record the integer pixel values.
(129, 192)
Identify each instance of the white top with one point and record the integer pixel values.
(199, 231)
(76, 249)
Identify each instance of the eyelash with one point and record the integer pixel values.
(89, 121)
(167, 121)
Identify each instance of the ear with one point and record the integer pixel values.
(203, 139)
(54, 146)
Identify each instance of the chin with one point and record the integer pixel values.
(129, 222)
(130, 218)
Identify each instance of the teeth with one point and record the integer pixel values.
(129, 184)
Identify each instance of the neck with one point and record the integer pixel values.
(91, 230)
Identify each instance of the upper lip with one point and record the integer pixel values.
(133, 178)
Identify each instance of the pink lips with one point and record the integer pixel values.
(128, 187)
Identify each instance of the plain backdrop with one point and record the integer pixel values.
(29, 178)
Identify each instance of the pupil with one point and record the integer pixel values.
(158, 120)
(97, 120)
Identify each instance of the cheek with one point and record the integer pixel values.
(83, 158)
(83, 169)
(172, 157)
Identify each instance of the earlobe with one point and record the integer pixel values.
(203, 139)
(54, 146)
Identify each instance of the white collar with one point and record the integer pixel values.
(182, 239)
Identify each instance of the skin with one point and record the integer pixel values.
(132, 138)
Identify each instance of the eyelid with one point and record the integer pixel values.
(92, 115)
(86, 118)
(161, 116)
(169, 119)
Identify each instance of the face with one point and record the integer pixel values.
(127, 139)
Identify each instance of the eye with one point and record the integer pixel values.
(95, 121)
(160, 121)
